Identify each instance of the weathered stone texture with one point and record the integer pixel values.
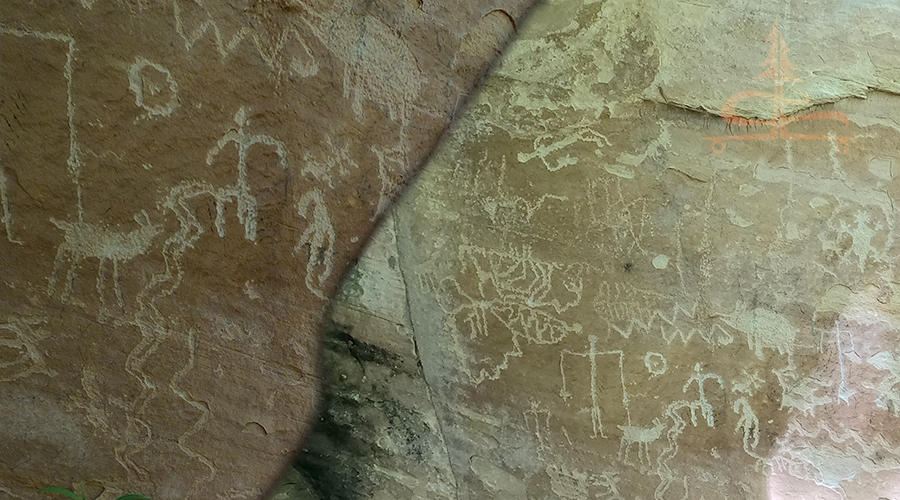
(377, 435)
(621, 290)
(182, 185)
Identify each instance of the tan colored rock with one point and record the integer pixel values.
(182, 185)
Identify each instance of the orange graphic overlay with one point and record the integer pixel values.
(778, 68)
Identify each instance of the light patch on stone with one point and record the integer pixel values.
(618, 18)
(438, 210)
(862, 238)
(882, 168)
(832, 464)
(7, 211)
(663, 142)
(661, 261)
(568, 485)
(747, 190)
(736, 219)
(817, 202)
(792, 232)
(240, 494)
(41, 421)
(496, 479)
(631, 159)
(250, 290)
(620, 170)
(835, 299)
(805, 396)
(888, 398)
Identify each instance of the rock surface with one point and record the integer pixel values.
(182, 183)
(378, 436)
(656, 257)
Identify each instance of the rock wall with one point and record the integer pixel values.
(183, 183)
(656, 258)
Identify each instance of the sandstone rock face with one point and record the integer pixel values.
(656, 257)
(378, 435)
(182, 185)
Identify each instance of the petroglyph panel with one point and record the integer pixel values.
(182, 185)
(656, 258)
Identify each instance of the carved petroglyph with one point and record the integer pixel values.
(505, 208)
(160, 416)
(20, 355)
(335, 163)
(830, 456)
(84, 240)
(567, 482)
(595, 389)
(153, 86)
(615, 211)
(376, 61)
(317, 241)
(748, 383)
(656, 363)
(765, 329)
(748, 424)
(115, 417)
(74, 160)
(558, 149)
(178, 202)
(240, 191)
(511, 288)
(701, 403)
(642, 437)
(285, 50)
(125, 420)
(574, 484)
(393, 170)
(201, 406)
(623, 307)
(700, 271)
(844, 392)
(537, 420)
(140, 364)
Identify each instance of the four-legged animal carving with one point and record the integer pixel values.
(85, 240)
(642, 436)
